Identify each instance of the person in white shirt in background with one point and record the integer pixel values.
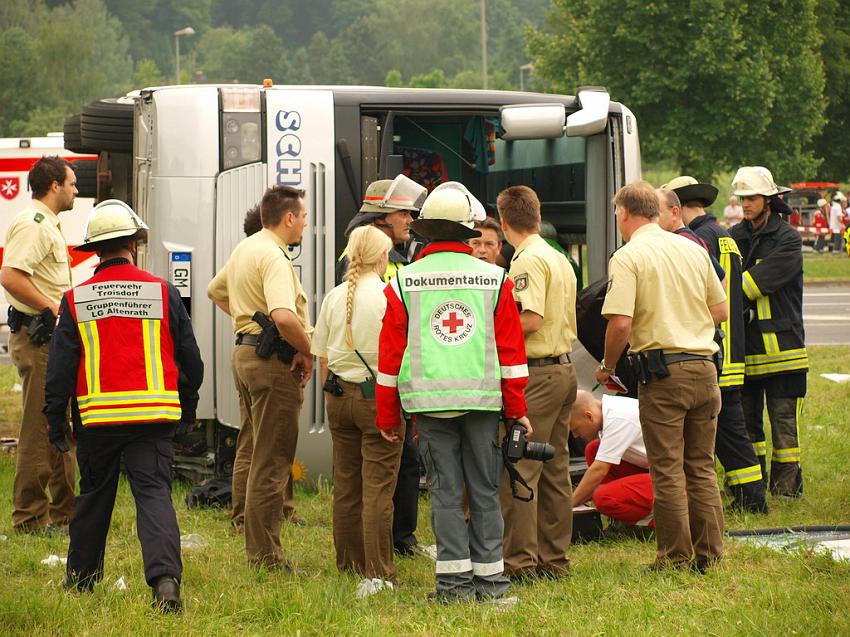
(733, 213)
(836, 222)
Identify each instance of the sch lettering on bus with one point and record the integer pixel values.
(288, 148)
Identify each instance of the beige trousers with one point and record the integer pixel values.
(365, 474)
(271, 403)
(39, 466)
(678, 416)
(538, 533)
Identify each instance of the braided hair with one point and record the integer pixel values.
(367, 245)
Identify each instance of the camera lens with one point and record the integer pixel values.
(541, 451)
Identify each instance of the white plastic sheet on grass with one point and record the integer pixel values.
(837, 378)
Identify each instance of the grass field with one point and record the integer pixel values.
(825, 267)
(754, 591)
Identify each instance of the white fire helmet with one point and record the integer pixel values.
(478, 211)
(448, 204)
(755, 180)
(110, 219)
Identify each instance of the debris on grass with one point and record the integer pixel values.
(54, 560)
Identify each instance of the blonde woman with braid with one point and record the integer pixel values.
(365, 462)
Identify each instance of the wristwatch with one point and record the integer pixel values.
(603, 368)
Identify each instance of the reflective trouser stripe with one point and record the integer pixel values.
(492, 568)
(760, 448)
(792, 454)
(453, 566)
(745, 475)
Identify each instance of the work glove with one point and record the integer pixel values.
(184, 427)
(58, 434)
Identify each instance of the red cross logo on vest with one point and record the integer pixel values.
(452, 323)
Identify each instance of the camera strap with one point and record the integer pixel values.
(515, 477)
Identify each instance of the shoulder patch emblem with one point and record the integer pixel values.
(38, 218)
(521, 282)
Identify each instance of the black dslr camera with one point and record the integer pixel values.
(515, 447)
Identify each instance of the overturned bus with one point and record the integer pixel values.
(193, 159)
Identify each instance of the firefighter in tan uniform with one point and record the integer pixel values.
(259, 277)
(36, 273)
(664, 299)
(537, 533)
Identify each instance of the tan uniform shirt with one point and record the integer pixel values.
(366, 318)
(259, 276)
(666, 283)
(544, 283)
(35, 245)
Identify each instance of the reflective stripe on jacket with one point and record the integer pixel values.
(772, 283)
(725, 250)
(126, 373)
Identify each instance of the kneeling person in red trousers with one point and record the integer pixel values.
(617, 477)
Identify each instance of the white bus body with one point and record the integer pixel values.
(204, 155)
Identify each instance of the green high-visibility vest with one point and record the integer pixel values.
(450, 363)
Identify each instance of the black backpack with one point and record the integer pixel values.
(215, 492)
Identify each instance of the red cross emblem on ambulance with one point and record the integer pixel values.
(452, 323)
(9, 187)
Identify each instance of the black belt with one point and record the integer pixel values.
(678, 358)
(247, 339)
(563, 359)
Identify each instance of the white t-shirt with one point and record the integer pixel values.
(835, 214)
(329, 337)
(621, 436)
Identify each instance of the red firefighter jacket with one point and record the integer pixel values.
(126, 372)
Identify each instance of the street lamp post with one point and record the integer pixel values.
(525, 67)
(484, 43)
(177, 34)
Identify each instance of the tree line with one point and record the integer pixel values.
(714, 84)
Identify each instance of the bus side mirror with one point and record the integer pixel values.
(592, 117)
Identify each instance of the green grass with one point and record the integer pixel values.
(825, 267)
(754, 591)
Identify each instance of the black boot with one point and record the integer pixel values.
(749, 497)
(786, 479)
(166, 594)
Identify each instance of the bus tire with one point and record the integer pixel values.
(72, 139)
(86, 173)
(107, 125)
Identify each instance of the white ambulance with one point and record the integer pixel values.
(17, 156)
(202, 156)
